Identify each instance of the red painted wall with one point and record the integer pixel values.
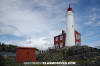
(25, 54)
(77, 41)
(60, 41)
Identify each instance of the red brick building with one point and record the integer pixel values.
(59, 41)
(25, 54)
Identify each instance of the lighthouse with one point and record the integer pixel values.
(70, 35)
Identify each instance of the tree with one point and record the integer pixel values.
(2, 61)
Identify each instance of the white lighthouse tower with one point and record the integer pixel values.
(70, 35)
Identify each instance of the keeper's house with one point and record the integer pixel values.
(59, 41)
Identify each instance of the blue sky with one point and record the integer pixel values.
(34, 23)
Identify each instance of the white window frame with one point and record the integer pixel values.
(61, 37)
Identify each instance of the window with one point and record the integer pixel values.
(56, 45)
(77, 36)
(61, 37)
(61, 45)
(56, 38)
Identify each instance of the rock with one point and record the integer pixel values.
(82, 55)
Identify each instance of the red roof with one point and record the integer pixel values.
(69, 9)
(26, 48)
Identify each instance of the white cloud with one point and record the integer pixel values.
(98, 23)
(93, 18)
(41, 43)
(89, 23)
(18, 20)
(96, 43)
(38, 19)
(29, 21)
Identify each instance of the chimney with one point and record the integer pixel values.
(63, 32)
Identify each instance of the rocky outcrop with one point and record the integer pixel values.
(82, 55)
